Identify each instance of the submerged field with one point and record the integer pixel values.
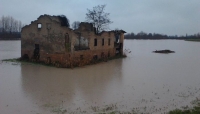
(143, 82)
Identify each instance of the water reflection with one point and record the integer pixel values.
(90, 84)
(46, 85)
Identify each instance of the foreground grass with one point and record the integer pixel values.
(112, 109)
(194, 110)
(108, 109)
(186, 110)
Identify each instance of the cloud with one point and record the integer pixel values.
(161, 16)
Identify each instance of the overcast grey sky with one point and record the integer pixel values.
(169, 17)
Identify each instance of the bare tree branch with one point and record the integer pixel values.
(75, 25)
(98, 17)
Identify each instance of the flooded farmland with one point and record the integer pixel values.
(143, 81)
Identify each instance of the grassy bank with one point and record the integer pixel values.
(11, 60)
(194, 40)
(18, 60)
(53, 64)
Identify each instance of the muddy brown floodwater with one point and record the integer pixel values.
(149, 82)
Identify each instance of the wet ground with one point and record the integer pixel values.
(144, 81)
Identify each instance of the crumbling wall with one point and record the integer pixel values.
(48, 33)
(84, 26)
(81, 43)
(100, 45)
(61, 45)
(106, 37)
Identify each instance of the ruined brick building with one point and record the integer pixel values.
(47, 40)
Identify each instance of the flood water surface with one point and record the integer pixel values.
(146, 81)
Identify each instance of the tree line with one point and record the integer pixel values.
(143, 35)
(10, 27)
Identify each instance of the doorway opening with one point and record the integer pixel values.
(36, 52)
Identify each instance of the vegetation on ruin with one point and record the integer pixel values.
(64, 20)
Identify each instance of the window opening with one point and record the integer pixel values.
(66, 38)
(102, 42)
(81, 57)
(67, 44)
(48, 26)
(95, 57)
(102, 55)
(39, 25)
(95, 42)
(37, 51)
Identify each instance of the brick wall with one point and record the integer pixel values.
(57, 42)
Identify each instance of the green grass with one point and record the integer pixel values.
(114, 109)
(194, 110)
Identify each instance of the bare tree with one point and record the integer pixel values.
(75, 25)
(98, 17)
(1, 26)
(9, 25)
(15, 26)
(19, 26)
(6, 24)
(3, 23)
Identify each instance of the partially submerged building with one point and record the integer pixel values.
(48, 40)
